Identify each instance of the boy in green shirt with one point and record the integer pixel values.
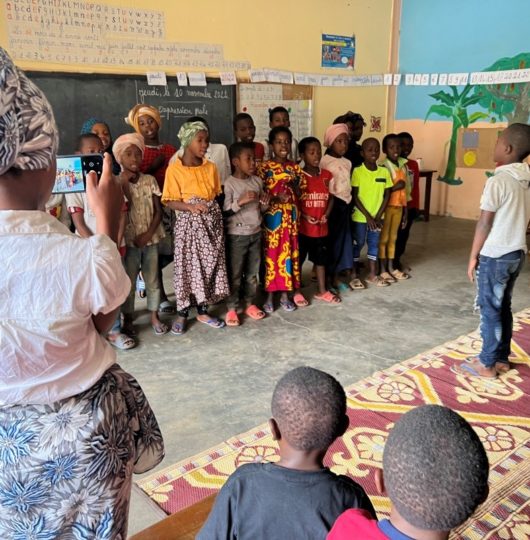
(371, 191)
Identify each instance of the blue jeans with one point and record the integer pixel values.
(362, 234)
(495, 281)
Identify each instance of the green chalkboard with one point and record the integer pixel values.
(76, 97)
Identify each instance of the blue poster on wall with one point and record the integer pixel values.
(338, 51)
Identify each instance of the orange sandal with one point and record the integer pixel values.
(254, 312)
(328, 297)
(231, 318)
(299, 300)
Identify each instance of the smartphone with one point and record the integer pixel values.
(72, 171)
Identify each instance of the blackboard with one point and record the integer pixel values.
(76, 97)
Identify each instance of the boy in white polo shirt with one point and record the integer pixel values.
(498, 250)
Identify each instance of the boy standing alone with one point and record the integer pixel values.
(498, 250)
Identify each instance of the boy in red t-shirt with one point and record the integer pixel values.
(315, 206)
(435, 474)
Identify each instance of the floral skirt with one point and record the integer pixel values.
(66, 468)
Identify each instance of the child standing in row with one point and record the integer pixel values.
(191, 187)
(143, 230)
(244, 203)
(340, 239)
(281, 180)
(279, 117)
(396, 210)
(371, 191)
(315, 206)
(245, 131)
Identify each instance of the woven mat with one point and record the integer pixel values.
(499, 411)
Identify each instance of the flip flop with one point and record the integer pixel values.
(167, 308)
(328, 297)
(140, 286)
(254, 312)
(287, 305)
(342, 287)
(357, 284)
(268, 308)
(467, 370)
(160, 330)
(399, 275)
(213, 322)
(178, 328)
(300, 300)
(231, 318)
(501, 367)
(121, 341)
(387, 277)
(378, 281)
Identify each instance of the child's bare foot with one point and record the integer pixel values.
(159, 327)
(474, 368)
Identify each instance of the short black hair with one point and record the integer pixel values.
(279, 129)
(309, 406)
(406, 135)
(351, 117)
(370, 139)
(435, 468)
(275, 110)
(237, 148)
(241, 116)
(387, 138)
(518, 135)
(305, 142)
(86, 137)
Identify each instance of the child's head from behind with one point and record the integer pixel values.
(309, 409)
(244, 128)
(435, 468)
(407, 143)
(392, 146)
(310, 151)
(128, 151)
(370, 150)
(337, 139)
(279, 116)
(194, 138)
(513, 144)
(89, 143)
(280, 138)
(242, 158)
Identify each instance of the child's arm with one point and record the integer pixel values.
(329, 208)
(158, 162)
(482, 230)
(383, 206)
(372, 225)
(123, 222)
(80, 224)
(400, 184)
(142, 239)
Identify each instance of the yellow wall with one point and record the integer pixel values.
(279, 34)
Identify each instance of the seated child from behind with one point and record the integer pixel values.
(243, 204)
(371, 190)
(245, 131)
(435, 474)
(297, 497)
(315, 207)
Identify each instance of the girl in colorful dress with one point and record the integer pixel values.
(339, 223)
(190, 188)
(281, 179)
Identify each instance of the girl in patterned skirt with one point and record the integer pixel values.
(191, 186)
(281, 179)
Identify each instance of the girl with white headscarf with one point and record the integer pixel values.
(73, 425)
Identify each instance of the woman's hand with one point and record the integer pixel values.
(105, 198)
(198, 208)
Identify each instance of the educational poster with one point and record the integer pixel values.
(258, 99)
(475, 147)
(338, 51)
(66, 32)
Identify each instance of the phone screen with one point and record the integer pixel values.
(72, 170)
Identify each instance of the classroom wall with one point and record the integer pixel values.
(454, 37)
(276, 34)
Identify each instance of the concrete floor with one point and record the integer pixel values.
(209, 384)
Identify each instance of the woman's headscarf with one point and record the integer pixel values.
(90, 123)
(124, 141)
(28, 134)
(188, 131)
(333, 132)
(133, 118)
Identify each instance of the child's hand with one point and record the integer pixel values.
(142, 240)
(126, 176)
(372, 224)
(247, 197)
(311, 219)
(198, 208)
(471, 268)
(105, 199)
(404, 222)
(265, 199)
(324, 219)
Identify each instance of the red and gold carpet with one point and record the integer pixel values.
(499, 411)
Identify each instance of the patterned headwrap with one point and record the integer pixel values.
(133, 118)
(28, 134)
(124, 141)
(188, 131)
(90, 123)
(333, 132)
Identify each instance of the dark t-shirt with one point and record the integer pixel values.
(265, 501)
(354, 154)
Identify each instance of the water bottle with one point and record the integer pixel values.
(419, 161)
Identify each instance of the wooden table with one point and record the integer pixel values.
(427, 174)
(183, 525)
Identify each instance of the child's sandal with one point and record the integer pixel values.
(231, 318)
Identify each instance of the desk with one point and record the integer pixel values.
(427, 174)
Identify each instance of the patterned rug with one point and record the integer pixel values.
(499, 411)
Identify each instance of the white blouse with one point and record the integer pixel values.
(340, 168)
(51, 283)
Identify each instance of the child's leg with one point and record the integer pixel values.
(253, 261)
(359, 236)
(132, 267)
(395, 223)
(150, 272)
(384, 237)
(373, 245)
(237, 253)
(304, 246)
(403, 237)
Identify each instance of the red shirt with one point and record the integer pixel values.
(314, 203)
(412, 166)
(150, 154)
(259, 151)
